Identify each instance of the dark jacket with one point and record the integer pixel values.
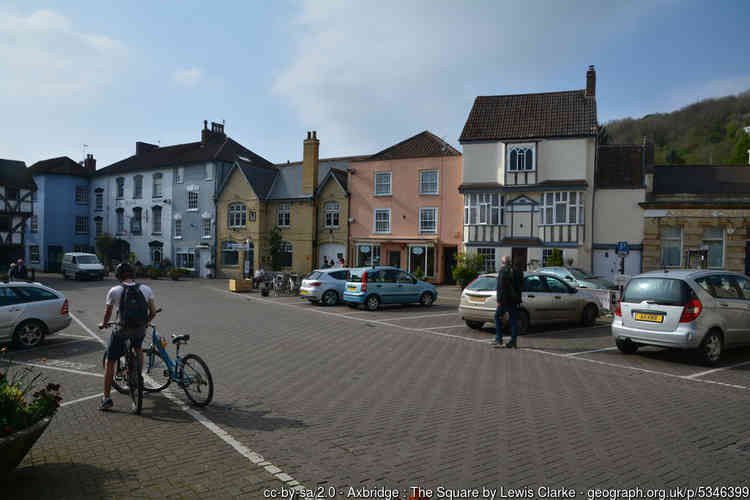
(509, 285)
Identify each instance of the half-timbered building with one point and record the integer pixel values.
(17, 191)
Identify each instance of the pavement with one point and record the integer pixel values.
(326, 399)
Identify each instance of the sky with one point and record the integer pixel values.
(95, 77)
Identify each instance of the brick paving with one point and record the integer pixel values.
(338, 400)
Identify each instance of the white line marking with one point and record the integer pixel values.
(635, 368)
(569, 330)
(72, 336)
(206, 422)
(420, 317)
(57, 368)
(592, 350)
(87, 330)
(441, 327)
(700, 374)
(82, 399)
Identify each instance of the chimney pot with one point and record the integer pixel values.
(591, 82)
(314, 136)
(309, 135)
(205, 124)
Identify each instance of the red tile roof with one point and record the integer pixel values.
(526, 116)
(423, 145)
(62, 165)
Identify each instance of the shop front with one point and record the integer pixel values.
(421, 258)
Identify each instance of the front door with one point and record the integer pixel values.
(54, 258)
(449, 264)
(394, 258)
(519, 258)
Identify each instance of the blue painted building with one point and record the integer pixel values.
(60, 221)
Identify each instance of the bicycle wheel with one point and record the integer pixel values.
(119, 380)
(158, 372)
(135, 380)
(196, 380)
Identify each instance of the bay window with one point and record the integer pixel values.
(521, 158)
(483, 208)
(562, 208)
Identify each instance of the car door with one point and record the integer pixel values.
(338, 281)
(535, 298)
(563, 302)
(730, 303)
(408, 289)
(11, 309)
(380, 286)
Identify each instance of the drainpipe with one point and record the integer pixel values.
(593, 199)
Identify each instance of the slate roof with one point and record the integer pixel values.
(526, 116)
(62, 165)
(14, 173)
(260, 177)
(288, 185)
(217, 147)
(341, 176)
(702, 179)
(423, 145)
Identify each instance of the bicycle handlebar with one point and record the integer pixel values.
(110, 324)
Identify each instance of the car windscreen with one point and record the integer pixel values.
(483, 284)
(580, 274)
(88, 259)
(662, 291)
(355, 275)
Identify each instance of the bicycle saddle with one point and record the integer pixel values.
(176, 339)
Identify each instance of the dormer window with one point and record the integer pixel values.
(521, 158)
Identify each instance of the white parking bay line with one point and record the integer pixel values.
(708, 372)
(592, 350)
(79, 372)
(206, 422)
(441, 327)
(72, 336)
(67, 403)
(423, 316)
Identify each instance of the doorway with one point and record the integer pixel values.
(394, 258)
(518, 255)
(449, 259)
(54, 258)
(249, 265)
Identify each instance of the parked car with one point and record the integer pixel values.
(325, 286)
(30, 311)
(686, 309)
(377, 285)
(545, 299)
(82, 265)
(578, 278)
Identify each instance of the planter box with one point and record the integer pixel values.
(240, 285)
(14, 447)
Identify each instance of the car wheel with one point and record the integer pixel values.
(29, 334)
(372, 303)
(426, 299)
(475, 325)
(590, 312)
(330, 298)
(626, 346)
(523, 322)
(711, 348)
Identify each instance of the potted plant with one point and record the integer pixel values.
(175, 273)
(154, 273)
(23, 419)
(467, 268)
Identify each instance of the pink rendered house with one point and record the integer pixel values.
(405, 208)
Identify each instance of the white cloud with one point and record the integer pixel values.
(43, 55)
(187, 77)
(354, 60)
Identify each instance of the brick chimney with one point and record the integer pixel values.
(90, 163)
(217, 130)
(310, 162)
(144, 147)
(591, 82)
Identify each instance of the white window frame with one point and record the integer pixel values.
(434, 211)
(137, 187)
(382, 175)
(34, 224)
(180, 176)
(178, 229)
(138, 219)
(671, 238)
(120, 188)
(184, 251)
(120, 214)
(34, 259)
(562, 200)
(209, 171)
(206, 229)
(236, 215)
(422, 183)
(82, 195)
(374, 253)
(520, 149)
(332, 214)
(375, 220)
(488, 204)
(487, 251)
(285, 210)
(193, 201)
(714, 240)
(82, 224)
(157, 182)
(156, 221)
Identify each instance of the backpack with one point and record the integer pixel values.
(133, 307)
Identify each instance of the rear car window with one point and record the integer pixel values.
(32, 294)
(88, 259)
(313, 275)
(338, 275)
(662, 291)
(483, 284)
(355, 275)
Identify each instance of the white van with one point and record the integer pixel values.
(79, 265)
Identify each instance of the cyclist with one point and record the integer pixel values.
(142, 305)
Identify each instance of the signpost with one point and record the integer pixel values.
(623, 249)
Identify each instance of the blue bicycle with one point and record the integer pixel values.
(189, 372)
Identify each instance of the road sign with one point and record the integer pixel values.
(623, 247)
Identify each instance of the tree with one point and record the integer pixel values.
(555, 259)
(274, 241)
(468, 267)
(109, 248)
(674, 158)
(739, 154)
(604, 138)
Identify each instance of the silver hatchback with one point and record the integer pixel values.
(685, 309)
(325, 286)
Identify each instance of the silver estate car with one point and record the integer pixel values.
(29, 311)
(686, 309)
(545, 299)
(325, 286)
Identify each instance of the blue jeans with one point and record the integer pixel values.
(512, 310)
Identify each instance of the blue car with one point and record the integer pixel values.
(377, 285)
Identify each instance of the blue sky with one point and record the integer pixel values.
(365, 75)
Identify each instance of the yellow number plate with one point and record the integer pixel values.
(652, 318)
(303, 292)
(477, 300)
(351, 288)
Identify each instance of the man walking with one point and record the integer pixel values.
(509, 285)
(21, 272)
